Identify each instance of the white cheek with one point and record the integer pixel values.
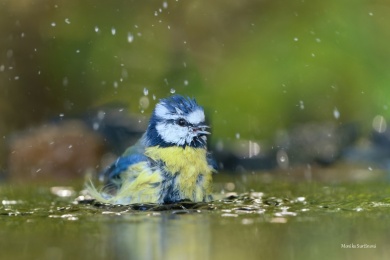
(196, 117)
(173, 133)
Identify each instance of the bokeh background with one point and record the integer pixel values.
(278, 79)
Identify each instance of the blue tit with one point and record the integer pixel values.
(170, 162)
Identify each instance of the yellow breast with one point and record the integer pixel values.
(188, 164)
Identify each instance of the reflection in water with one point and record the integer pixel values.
(160, 236)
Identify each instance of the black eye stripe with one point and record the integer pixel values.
(182, 122)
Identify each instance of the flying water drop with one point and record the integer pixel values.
(336, 113)
(65, 81)
(130, 37)
(301, 105)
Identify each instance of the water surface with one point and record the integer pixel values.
(255, 216)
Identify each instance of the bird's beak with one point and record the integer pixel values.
(201, 129)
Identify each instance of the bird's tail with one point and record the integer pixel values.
(99, 196)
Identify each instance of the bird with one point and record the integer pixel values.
(170, 163)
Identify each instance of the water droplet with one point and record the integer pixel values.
(113, 31)
(169, 27)
(247, 221)
(370, 13)
(16, 77)
(336, 113)
(130, 37)
(318, 40)
(9, 53)
(379, 124)
(2, 67)
(70, 146)
(77, 51)
(296, 39)
(144, 102)
(53, 24)
(254, 149)
(172, 91)
(146, 91)
(65, 81)
(165, 5)
(154, 97)
(155, 13)
(301, 105)
(238, 135)
(229, 215)
(101, 114)
(185, 82)
(282, 159)
(67, 20)
(370, 169)
(115, 84)
(62, 115)
(62, 191)
(22, 35)
(96, 29)
(95, 126)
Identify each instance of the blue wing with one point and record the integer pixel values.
(121, 165)
(132, 155)
(212, 162)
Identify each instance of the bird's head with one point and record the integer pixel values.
(177, 121)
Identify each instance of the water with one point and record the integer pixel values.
(268, 216)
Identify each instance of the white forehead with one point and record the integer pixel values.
(194, 117)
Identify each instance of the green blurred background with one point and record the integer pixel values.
(256, 66)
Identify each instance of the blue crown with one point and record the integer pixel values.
(186, 105)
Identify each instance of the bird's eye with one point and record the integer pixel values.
(182, 122)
